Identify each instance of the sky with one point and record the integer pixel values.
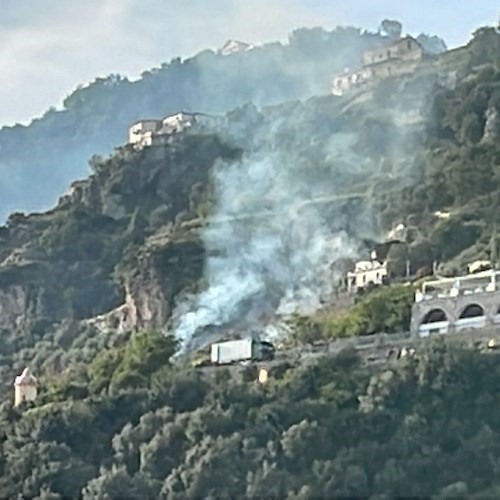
(49, 47)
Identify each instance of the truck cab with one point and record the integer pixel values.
(267, 350)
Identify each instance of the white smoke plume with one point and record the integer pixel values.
(271, 250)
(296, 206)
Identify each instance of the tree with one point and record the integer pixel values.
(391, 28)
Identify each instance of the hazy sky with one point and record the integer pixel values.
(48, 47)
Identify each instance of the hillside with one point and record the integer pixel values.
(94, 119)
(232, 227)
(252, 218)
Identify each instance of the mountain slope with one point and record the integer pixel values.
(38, 161)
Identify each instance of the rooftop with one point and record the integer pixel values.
(469, 284)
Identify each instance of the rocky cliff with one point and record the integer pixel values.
(110, 257)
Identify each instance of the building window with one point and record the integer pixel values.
(409, 44)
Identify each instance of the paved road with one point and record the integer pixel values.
(373, 349)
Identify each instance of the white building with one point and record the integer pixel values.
(478, 266)
(234, 46)
(145, 133)
(177, 123)
(25, 387)
(398, 57)
(366, 272)
(139, 129)
(455, 304)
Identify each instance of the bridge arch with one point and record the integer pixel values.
(434, 316)
(472, 311)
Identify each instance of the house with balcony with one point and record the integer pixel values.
(465, 302)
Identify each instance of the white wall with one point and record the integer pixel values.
(137, 130)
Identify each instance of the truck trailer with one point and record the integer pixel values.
(234, 351)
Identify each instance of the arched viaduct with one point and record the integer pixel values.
(450, 314)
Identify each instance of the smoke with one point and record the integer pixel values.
(297, 206)
(272, 249)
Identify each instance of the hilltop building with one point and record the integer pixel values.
(177, 123)
(233, 47)
(455, 304)
(152, 132)
(398, 57)
(139, 129)
(25, 387)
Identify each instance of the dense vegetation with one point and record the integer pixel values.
(384, 309)
(132, 425)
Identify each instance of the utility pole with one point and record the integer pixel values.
(494, 247)
(494, 244)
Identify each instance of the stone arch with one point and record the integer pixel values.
(434, 316)
(472, 311)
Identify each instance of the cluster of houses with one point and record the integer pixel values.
(443, 305)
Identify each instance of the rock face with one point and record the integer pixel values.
(17, 304)
(96, 260)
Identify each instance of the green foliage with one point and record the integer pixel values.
(102, 368)
(327, 427)
(452, 236)
(385, 309)
(132, 365)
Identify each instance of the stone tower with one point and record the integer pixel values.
(25, 387)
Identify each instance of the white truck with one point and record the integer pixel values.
(234, 351)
